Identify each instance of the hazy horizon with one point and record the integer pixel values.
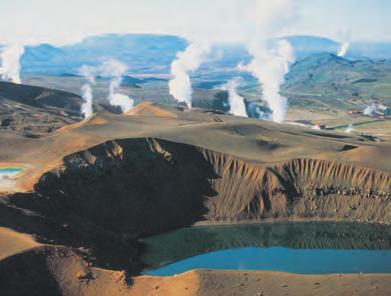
(57, 22)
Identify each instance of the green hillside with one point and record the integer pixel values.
(337, 81)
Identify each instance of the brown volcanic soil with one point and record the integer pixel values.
(13, 242)
(35, 110)
(233, 282)
(92, 189)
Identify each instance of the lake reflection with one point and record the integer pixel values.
(317, 242)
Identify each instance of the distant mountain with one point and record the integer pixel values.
(377, 50)
(322, 67)
(308, 45)
(151, 54)
(144, 53)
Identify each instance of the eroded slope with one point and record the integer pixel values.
(95, 188)
(106, 197)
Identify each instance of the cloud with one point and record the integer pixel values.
(63, 22)
(37, 21)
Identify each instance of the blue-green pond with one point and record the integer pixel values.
(299, 247)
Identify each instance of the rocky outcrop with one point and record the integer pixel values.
(300, 188)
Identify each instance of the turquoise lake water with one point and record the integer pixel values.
(304, 261)
(300, 247)
(10, 171)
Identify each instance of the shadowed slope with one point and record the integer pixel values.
(36, 110)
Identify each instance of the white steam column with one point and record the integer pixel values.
(115, 70)
(236, 101)
(349, 129)
(86, 107)
(270, 62)
(343, 49)
(371, 109)
(345, 44)
(10, 62)
(186, 61)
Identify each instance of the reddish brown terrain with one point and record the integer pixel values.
(91, 189)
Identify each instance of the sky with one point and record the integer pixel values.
(62, 22)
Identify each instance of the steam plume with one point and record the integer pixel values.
(186, 62)
(343, 49)
(10, 66)
(115, 70)
(253, 110)
(118, 99)
(88, 73)
(270, 63)
(349, 129)
(371, 109)
(86, 107)
(261, 114)
(344, 36)
(236, 102)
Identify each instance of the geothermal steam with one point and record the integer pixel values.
(186, 62)
(86, 107)
(371, 109)
(349, 129)
(10, 66)
(343, 49)
(236, 102)
(270, 62)
(115, 70)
